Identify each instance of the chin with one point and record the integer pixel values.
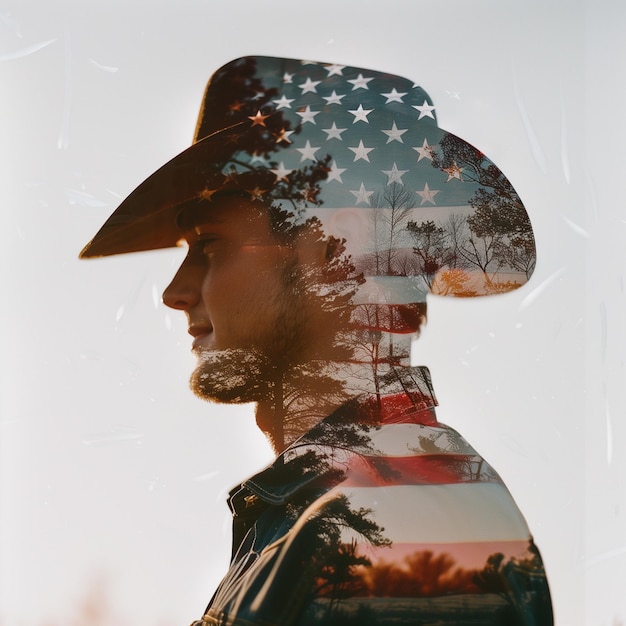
(230, 376)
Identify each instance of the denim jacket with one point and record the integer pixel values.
(380, 515)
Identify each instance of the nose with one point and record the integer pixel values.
(184, 290)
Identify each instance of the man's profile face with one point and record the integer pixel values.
(236, 288)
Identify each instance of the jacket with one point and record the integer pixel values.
(380, 515)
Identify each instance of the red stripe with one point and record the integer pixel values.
(400, 410)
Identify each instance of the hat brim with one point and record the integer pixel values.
(146, 219)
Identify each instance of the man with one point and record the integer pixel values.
(320, 204)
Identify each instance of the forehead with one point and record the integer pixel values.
(235, 214)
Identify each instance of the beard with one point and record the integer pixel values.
(231, 376)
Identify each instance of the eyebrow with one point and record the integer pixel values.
(196, 214)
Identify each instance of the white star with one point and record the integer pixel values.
(394, 175)
(334, 173)
(236, 106)
(425, 110)
(307, 115)
(427, 194)
(281, 172)
(283, 103)
(334, 98)
(333, 132)
(359, 82)
(394, 134)
(360, 114)
(258, 158)
(256, 193)
(308, 152)
(258, 119)
(454, 171)
(284, 135)
(230, 173)
(425, 152)
(309, 86)
(361, 152)
(207, 193)
(362, 195)
(394, 96)
(335, 69)
(287, 77)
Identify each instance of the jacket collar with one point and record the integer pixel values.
(407, 396)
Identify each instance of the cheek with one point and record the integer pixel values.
(243, 296)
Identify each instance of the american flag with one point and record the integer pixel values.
(372, 129)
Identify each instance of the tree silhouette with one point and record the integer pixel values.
(522, 583)
(394, 203)
(455, 282)
(330, 532)
(431, 247)
(501, 233)
(337, 560)
(421, 574)
(448, 266)
(381, 341)
(299, 387)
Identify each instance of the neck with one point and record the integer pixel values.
(305, 394)
(282, 430)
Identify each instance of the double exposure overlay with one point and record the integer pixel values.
(381, 515)
(320, 205)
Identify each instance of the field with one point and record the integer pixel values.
(452, 610)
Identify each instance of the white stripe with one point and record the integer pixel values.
(417, 439)
(442, 513)
(395, 440)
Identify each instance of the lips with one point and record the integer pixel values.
(202, 335)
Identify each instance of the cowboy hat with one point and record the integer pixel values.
(342, 143)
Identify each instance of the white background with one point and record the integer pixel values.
(113, 476)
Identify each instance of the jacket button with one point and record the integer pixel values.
(250, 500)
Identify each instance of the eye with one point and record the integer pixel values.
(206, 240)
(207, 243)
